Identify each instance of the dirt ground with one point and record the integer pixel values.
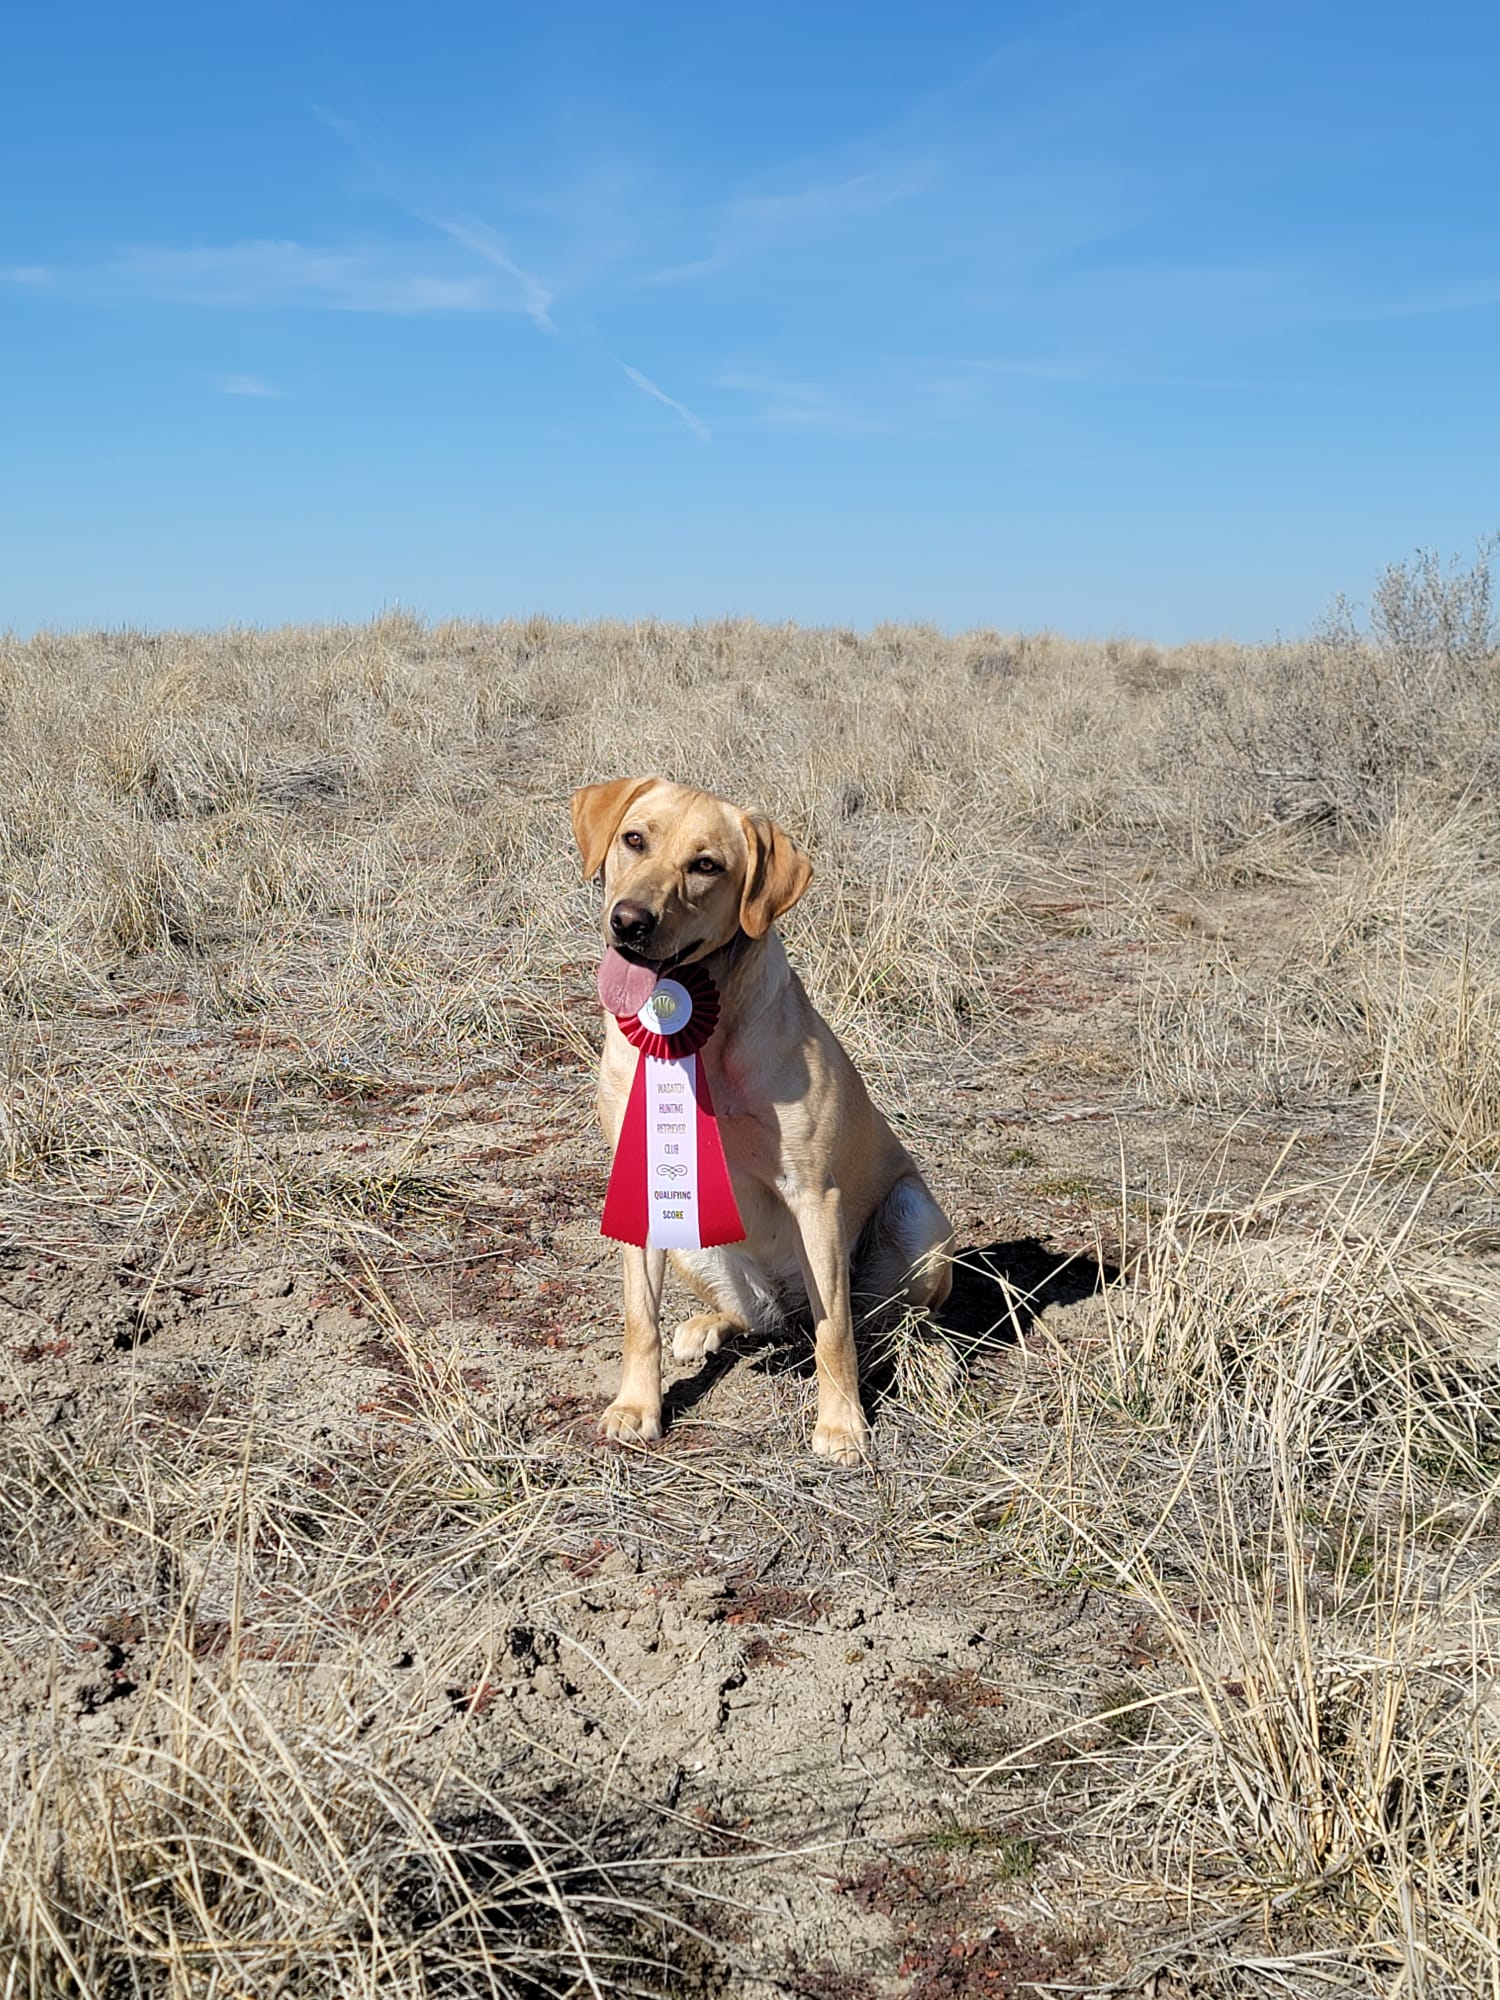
(727, 1642)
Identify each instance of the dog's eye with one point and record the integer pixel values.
(635, 840)
(704, 865)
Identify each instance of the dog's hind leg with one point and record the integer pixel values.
(903, 1258)
(704, 1334)
(733, 1307)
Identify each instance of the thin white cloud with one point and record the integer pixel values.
(490, 245)
(478, 238)
(750, 223)
(264, 273)
(829, 421)
(927, 395)
(804, 406)
(247, 385)
(822, 201)
(961, 379)
(683, 274)
(1474, 296)
(647, 387)
(35, 275)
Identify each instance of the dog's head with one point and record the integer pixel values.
(684, 872)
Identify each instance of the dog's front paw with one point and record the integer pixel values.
(630, 1423)
(846, 1442)
(700, 1336)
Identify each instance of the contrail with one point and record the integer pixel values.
(647, 387)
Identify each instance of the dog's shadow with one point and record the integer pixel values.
(999, 1292)
(1001, 1289)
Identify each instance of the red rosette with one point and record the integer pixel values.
(703, 997)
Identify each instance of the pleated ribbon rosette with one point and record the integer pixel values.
(669, 1187)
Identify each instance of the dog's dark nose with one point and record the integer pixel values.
(632, 923)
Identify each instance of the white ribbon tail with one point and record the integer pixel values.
(672, 1152)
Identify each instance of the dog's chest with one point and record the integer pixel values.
(748, 1123)
(752, 1145)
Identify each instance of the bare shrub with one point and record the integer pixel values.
(1348, 718)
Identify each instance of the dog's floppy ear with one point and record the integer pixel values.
(776, 875)
(597, 812)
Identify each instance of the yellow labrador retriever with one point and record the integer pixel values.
(834, 1209)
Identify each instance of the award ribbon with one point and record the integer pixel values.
(669, 1187)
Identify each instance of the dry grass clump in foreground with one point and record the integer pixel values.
(1286, 1449)
(229, 1855)
(271, 1817)
(335, 1654)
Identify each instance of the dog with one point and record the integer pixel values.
(836, 1214)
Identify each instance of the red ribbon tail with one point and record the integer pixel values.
(625, 1206)
(627, 1211)
(718, 1212)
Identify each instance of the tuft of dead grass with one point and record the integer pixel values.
(1286, 1449)
(226, 1839)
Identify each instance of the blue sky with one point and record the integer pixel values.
(1161, 319)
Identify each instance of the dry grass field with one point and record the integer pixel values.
(1157, 1655)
